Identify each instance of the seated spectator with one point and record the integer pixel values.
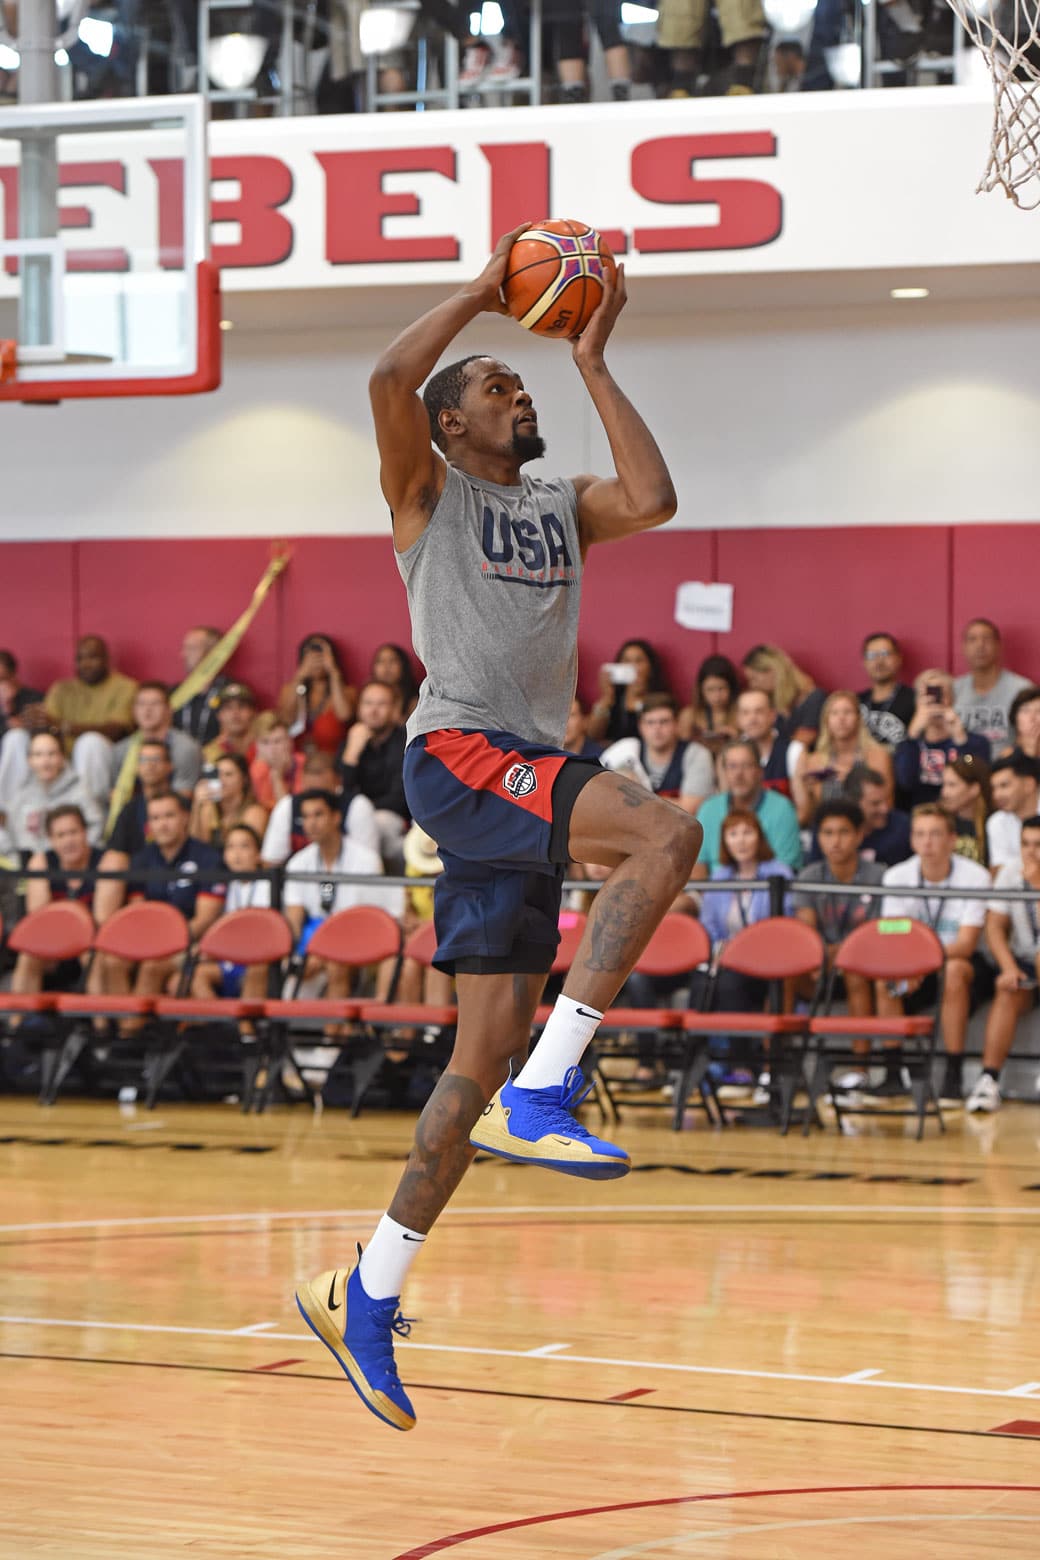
(198, 718)
(236, 718)
(277, 769)
(572, 46)
(757, 722)
(285, 832)
(307, 904)
(1015, 784)
(153, 719)
(90, 712)
(843, 744)
(68, 850)
(1013, 938)
(966, 796)
(798, 701)
(576, 738)
(983, 696)
(656, 759)
(418, 983)
(887, 705)
(935, 737)
(744, 854)
(742, 776)
(317, 706)
(1024, 716)
(154, 775)
(15, 698)
(223, 798)
(210, 979)
(372, 762)
(886, 836)
(839, 828)
(710, 717)
(170, 847)
(51, 783)
(392, 664)
(615, 713)
(956, 922)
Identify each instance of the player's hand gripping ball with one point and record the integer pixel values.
(554, 277)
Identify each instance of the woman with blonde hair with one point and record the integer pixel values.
(798, 700)
(843, 744)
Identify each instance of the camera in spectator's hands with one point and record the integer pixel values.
(620, 672)
(213, 783)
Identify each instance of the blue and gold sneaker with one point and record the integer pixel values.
(535, 1127)
(358, 1331)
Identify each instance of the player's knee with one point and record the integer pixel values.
(683, 842)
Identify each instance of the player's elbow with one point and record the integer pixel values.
(658, 506)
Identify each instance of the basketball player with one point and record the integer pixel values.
(487, 777)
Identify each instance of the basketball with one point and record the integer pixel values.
(554, 277)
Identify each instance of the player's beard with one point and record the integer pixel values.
(528, 446)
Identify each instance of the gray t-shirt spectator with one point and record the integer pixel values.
(185, 755)
(839, 914)
(1024, 932)
(986, 714)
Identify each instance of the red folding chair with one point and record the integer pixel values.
(59, 931)
(249, 937)
(678, 946)
(436, 1022)
(775, 950)
(354, 938)
(891, 950)
(146, 929)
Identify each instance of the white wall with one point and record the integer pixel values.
(903, 414)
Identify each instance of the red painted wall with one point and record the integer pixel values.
(816, 592)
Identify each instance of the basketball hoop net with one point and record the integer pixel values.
(1007, 33)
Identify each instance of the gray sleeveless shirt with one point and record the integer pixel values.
(493, 588)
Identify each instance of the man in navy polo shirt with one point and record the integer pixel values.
(169, 846)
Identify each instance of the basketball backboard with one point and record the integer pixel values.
(106, 286)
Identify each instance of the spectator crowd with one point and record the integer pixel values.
(898, 785)
(675, 48)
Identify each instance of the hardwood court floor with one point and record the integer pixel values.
(752, 1348)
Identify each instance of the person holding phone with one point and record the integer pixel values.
(935, 737)
(1013, 937)
(843, 744)
(623, 684)
(318, 705)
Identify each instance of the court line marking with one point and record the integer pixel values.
(436, 1545)
(674, 1542)
(456, 1389)
(734, 1208)
(526, 1354)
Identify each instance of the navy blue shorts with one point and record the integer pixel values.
(499, 808)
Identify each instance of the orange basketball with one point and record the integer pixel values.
(554, 277)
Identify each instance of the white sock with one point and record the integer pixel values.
(570, 1028)
(387, 1257)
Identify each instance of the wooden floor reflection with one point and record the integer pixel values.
(749, 1348)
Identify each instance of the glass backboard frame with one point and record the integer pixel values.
(49, 372)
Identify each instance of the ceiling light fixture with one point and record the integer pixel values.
(909, 292)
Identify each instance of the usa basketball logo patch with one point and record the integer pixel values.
(520, 780)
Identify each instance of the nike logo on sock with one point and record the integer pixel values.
(585, 1013)
(419, 1238)
(333, 1304)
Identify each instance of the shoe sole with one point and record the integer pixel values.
(347, 1363)
(587, 1170)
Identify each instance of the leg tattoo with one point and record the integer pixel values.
(619, 926)
(442, 1152)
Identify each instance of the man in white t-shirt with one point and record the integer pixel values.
(983, 696)
(285, 832)
(1015, 782)
(656, 759)
(330, 852)
(1013, 936)
(956, 922)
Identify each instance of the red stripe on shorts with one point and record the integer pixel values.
(480, 766)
